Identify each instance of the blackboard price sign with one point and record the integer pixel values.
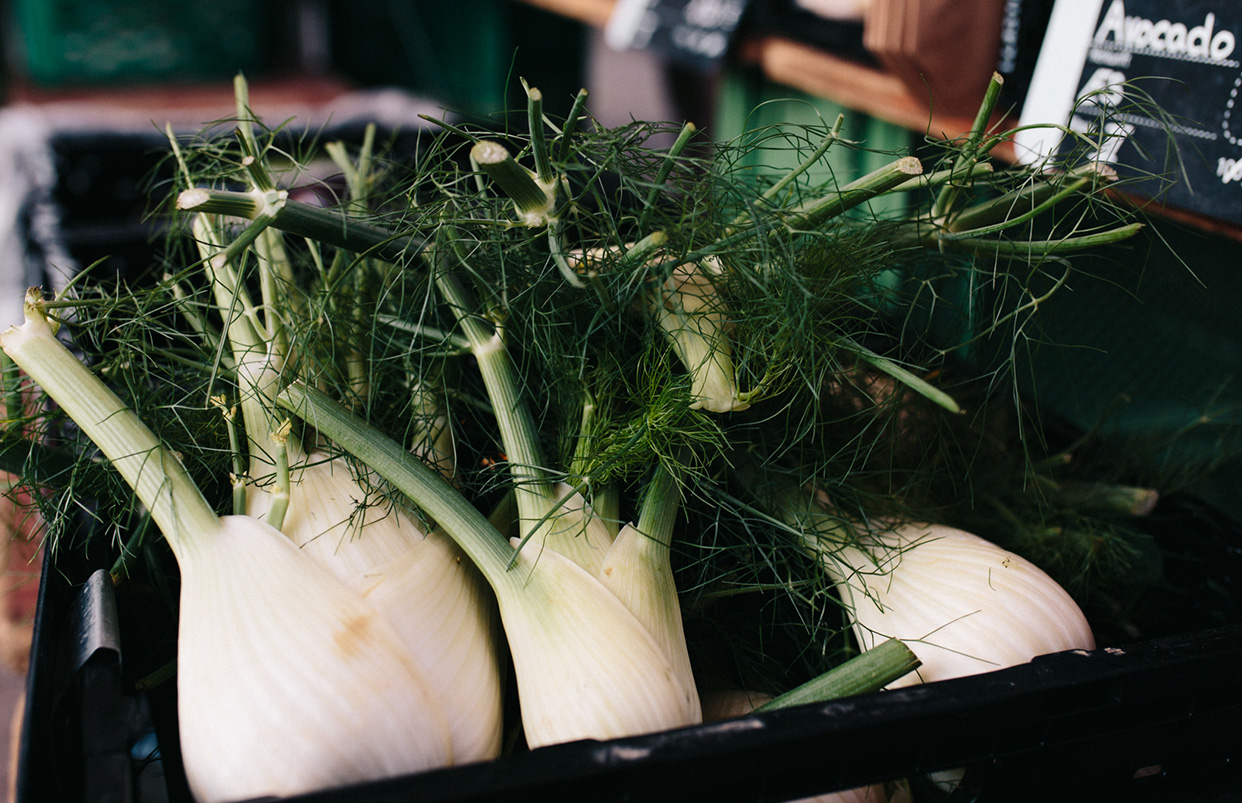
(695, 32)
(1130, 75)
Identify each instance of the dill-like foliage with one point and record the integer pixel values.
(840, 324)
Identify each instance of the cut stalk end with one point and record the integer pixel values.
(533, 201)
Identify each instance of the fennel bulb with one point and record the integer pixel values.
(421, 583)
(637, 570)
(586, 666)
(287, 680)
(961, 603)
(337, 516)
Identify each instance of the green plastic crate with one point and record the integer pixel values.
(466, 55)
(748, 104)
(132, 41)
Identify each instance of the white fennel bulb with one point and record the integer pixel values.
(961, 603)
(637, 571)
(586, 667)
(341, 517)
(287, 681)
(422, 583)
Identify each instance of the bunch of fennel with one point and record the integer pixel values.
(694, 321)
(272, 648)
(416, 579)
(592, 623)
(383, 640)
(652, 342)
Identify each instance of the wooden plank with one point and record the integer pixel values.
(591, 12)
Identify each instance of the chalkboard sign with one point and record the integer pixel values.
(693, 32)
(1150, 82)
(1021, 35)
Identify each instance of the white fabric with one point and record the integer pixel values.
(31, 251)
